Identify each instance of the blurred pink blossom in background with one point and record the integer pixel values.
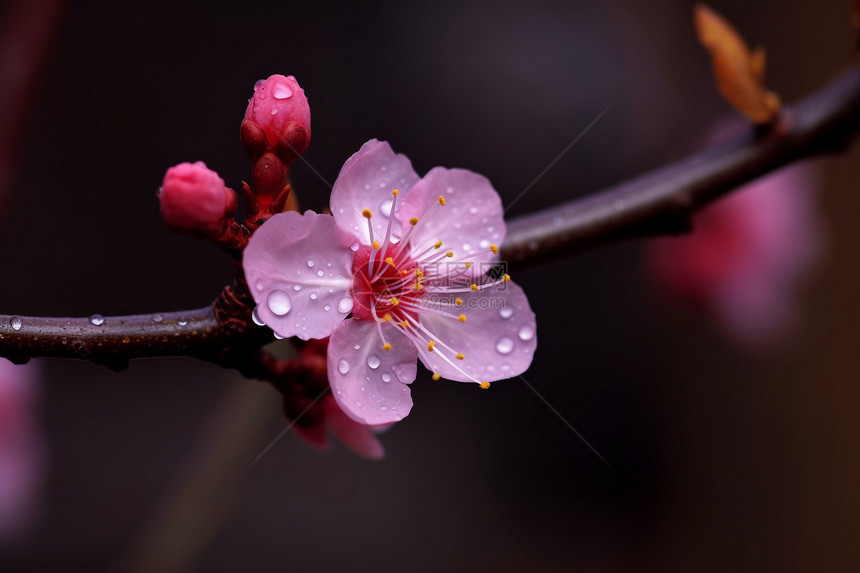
(22, 451)
(748, 255)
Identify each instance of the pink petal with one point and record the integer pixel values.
(498, 339)
(471, 220)
(359, 438)
(369, 383)
(299, 268)
(365, 182)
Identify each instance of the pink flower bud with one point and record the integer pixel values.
(280, 108)
(194, 198)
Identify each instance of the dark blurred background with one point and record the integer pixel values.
(721, 459)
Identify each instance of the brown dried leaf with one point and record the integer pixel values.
(739, 72)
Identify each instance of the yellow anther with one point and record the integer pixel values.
(386, 317)
(441, 200)
(390, 260)
(436, 376)
(459, 356)
(506, 278)
(395, 192)
(386, 346)
(474, 287)
(468, 265)
(484, 385)
(413, 221)
(404, 323)
(431, 345)
(495, 249)
(404, 272)
(394, 301)
(462, 318)
(437, 245)
(418, 286)
(375, 245)
(366, 214)
(459, 302)
(449, 254)
(419, 273)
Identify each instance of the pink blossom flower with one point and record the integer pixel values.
(280, 107)
(313, 417)
(398, 272)
(194, 198)
(748, 254)
(21, 450)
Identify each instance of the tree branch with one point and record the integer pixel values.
(660, 202)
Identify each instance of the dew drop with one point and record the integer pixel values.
(320, 273)
(326, 308)
(297, 288)
(157, 318)
(279, 302)
(311, 263)
(357, 346)
(484, 244)
(373, 361)
(526, 332)
(506, 312)
(343, 366)
(354, 247)
(97, 320)
(386, 207)
(181, 322)
(258, 83)
(281, 91)
(344, 305)
(386, 377)
(256, 318)
(274, 112)
(504, 345)
(259, 285)
(278, 336)
(313, 296)
(357, 403)
(383, 407)
(15, 323)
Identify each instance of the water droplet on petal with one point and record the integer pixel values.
(383, 407)
(97, 320)
(344, 305)
(256, 318)
(526, 332)
(504, 345)
(506, 312)
(357, 346)
(386, 377)
(281, 91)
(279, 302)
(15, 323)
(326, 308)
(311, 262)
(373, 361)
(313, 296)
(297, 288)
(357, 403)
(354, 246)
(258, 83)
(320, 273)
(386, 207)
(274, 112)
(343, 366)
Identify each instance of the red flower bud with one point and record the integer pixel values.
(280, 108)
(194, 198)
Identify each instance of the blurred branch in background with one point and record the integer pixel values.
(26, 32)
